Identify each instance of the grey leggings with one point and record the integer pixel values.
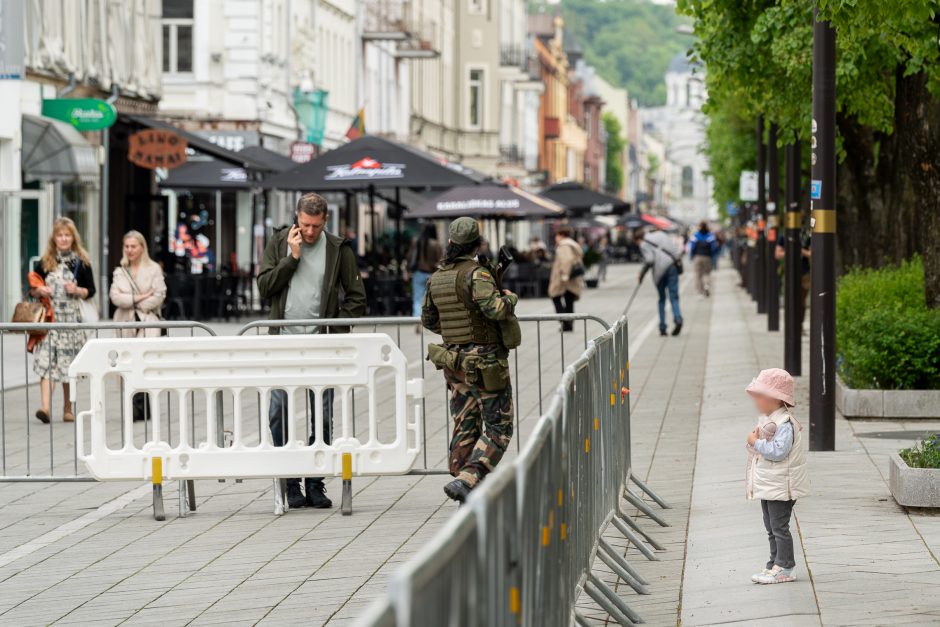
(777, 523)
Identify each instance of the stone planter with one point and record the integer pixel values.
(913, 487)
(853, 403)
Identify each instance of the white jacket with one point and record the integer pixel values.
(778, 481)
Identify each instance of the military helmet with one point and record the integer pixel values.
(464, 231)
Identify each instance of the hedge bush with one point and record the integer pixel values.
(886, 337)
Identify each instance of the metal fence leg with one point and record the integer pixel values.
(191, 491)
(580, 621)
(649, 492)
(619, 565)
(650, 540)
(616, 607)
(346, 507)
(280, 497)
(182, 499)
(643, 507)
(157, 479)
(635, 539)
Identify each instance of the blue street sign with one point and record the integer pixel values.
(815, 190)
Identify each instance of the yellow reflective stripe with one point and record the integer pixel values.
(824, 221)
(157, 470)
(514, 602)
(347, 466)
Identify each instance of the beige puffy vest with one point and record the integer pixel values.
(778, 481)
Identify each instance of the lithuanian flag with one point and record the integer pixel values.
(358, 127)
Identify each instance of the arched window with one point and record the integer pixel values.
(688, 186)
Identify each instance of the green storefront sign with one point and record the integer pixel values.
(85, 114)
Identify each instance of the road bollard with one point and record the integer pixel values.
(346, 507)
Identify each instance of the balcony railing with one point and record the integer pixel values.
(511, 154)
(386, 20)
(514, 56)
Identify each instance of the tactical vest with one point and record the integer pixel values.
(461, 320)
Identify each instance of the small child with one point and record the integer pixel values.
(776, 468)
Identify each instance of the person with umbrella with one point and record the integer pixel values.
(464, 305)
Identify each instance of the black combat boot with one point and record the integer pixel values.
(295, 498)
(457, 490)
(316, 495)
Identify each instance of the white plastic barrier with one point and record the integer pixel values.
(248, 365)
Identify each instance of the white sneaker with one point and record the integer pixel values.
(775, 575)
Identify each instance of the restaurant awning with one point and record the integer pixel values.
(201, 144)
(370, 161)
(491, 200)
(578, 200)
(54, 151)
(216, 174)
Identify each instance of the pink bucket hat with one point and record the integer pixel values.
(775, 383)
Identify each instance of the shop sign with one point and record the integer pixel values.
(156, 148)
(85, 114)
(302, 152)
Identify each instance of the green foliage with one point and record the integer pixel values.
(886, 337)
(614, 161)
(652, 164)
(629, 42)
(729, 143)
(591, 257)
(924, 454)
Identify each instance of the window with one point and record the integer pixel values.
(475, 102)
(177, 36)
(687, 182)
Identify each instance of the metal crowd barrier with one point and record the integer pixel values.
(520, 551)
(31, 451)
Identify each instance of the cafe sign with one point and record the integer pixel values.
(156, 148)
(85, 114)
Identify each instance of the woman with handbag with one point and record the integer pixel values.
(63, 278)
(138, 290)
(565, 281)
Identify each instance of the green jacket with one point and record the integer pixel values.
(344, 293)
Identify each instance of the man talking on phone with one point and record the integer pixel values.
(308, 273)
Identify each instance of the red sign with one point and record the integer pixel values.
(366, 168)
(302, 152)
(156, 148)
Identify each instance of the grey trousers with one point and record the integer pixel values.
(777, 523)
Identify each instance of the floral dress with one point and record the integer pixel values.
(54, 354)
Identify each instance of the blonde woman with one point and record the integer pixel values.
(67, 278)
(138, 290)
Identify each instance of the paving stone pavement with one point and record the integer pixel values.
(864, 560)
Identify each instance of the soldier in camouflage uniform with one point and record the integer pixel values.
(464, 305)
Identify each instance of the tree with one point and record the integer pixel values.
(758, 54)
(614, 159)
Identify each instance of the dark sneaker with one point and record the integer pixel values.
(316, 496)
(43, 416)
(295, 498)
(677, 329)
(662, 332)
(457, 490)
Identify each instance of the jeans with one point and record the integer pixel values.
(419, 284)
(669, 282)
(777, 524)
(277, 419)
(565, 304)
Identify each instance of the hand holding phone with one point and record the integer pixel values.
(294, 240)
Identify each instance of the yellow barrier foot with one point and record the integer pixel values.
(157, 479)
(346, 506)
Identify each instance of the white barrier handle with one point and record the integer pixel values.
(80, 434)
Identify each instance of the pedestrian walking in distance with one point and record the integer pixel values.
(565, 281)
(138, 290)
(663, 255)
(464, 305)
(426, 253)
(703, 252)
(308, 273)
(61, 279)
(776, 468)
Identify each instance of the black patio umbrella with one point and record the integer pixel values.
(491, 200)
(211, 174)
(372, 163)
(578, 200)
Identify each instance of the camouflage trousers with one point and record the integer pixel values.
(482, 427)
